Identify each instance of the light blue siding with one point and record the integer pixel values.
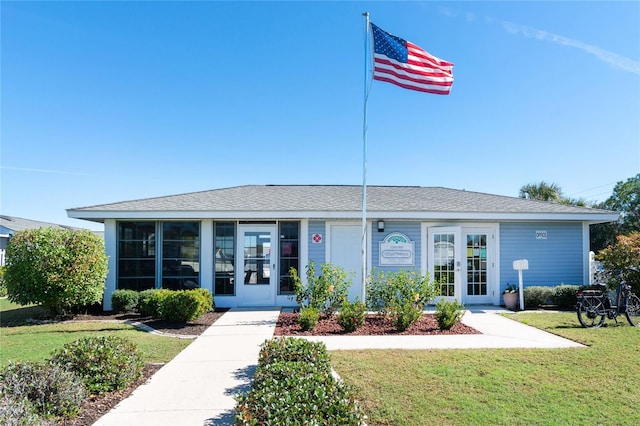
(556, 260)
(410, 229)
(316, 250)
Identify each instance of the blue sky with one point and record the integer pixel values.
(111, 101)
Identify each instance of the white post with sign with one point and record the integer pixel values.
(521, 265)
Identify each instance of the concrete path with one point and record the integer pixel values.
(197, 386)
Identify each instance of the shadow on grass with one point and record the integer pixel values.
(26, 315)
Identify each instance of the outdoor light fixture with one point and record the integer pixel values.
(381, 226)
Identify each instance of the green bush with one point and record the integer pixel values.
(149, 303)
(185, 305)
(448, 313)
(293, 385)
(296, 393)
(400, 296)
(104, 363)
(123, 301)
(622, 258)
(352, 315)
(60, 269)
(3, 288)
(285, 349)
(51, 389)
(564, 296)
(20, 412)
(309, 317)
(534, 296)
(324, 292)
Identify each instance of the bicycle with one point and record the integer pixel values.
(594, 305)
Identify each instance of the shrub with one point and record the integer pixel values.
(20, 412)
(59, 269)
(125, 301)
(622, 261)
(352, 315)
(324, 292)
(564, 296)
(185, 305)
(3, 288)
(534, 296)
(286, 349)
(104, 363)
(448, 313)
(293, 385)
(400, 295)
(149, 303)
(50, 389)
(296, 393)
(309, 317)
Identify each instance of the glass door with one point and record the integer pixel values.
(444, 262)
(477, 280)
(257, 246)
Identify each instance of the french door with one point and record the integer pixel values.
(444, 260)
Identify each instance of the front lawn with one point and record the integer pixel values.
(20, 341)
(580, 386)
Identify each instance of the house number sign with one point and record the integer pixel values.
(396, 249)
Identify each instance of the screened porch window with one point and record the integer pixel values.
(289, 255)
(136, 255)
(224, 258)
(180, 255)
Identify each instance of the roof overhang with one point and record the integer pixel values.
(101, 216)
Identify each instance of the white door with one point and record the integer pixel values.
(477, 281)
(444, 262)
(257, 249)
(345, 250)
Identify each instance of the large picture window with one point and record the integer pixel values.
(136, 255)
(180, 255)
(289, 255)
(224, 258)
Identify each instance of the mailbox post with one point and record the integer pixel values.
(521, 265)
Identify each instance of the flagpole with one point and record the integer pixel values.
(364, 163)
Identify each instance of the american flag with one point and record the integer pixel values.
(404, 64)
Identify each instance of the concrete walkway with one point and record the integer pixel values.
(197, 386)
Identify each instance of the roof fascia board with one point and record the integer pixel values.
(96, 214)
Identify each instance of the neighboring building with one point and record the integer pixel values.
(240, 242)
(9, 225)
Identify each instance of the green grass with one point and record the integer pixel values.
(595, 385)
(20, 342)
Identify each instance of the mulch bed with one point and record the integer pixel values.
(97, 406)
(374, 325)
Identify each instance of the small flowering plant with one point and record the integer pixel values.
(511, 288)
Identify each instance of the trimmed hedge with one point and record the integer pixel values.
(124, 301)
(184, 305)
(293, 385)
(562, 296)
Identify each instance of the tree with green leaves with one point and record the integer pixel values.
(542, 191)
(625, 199)
(60, 269)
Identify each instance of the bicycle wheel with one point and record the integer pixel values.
(633, 310)
(591, 312)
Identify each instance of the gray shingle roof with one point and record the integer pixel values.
(336, 198)
(18, 224)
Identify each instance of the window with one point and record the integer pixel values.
(476, 264)
(224, 258)
(289, 256)
(180, 255)
(136, 255)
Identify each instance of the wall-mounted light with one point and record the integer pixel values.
(381, 226)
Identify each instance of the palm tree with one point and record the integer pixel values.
(542, 191)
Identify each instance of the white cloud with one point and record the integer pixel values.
(613, 59)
